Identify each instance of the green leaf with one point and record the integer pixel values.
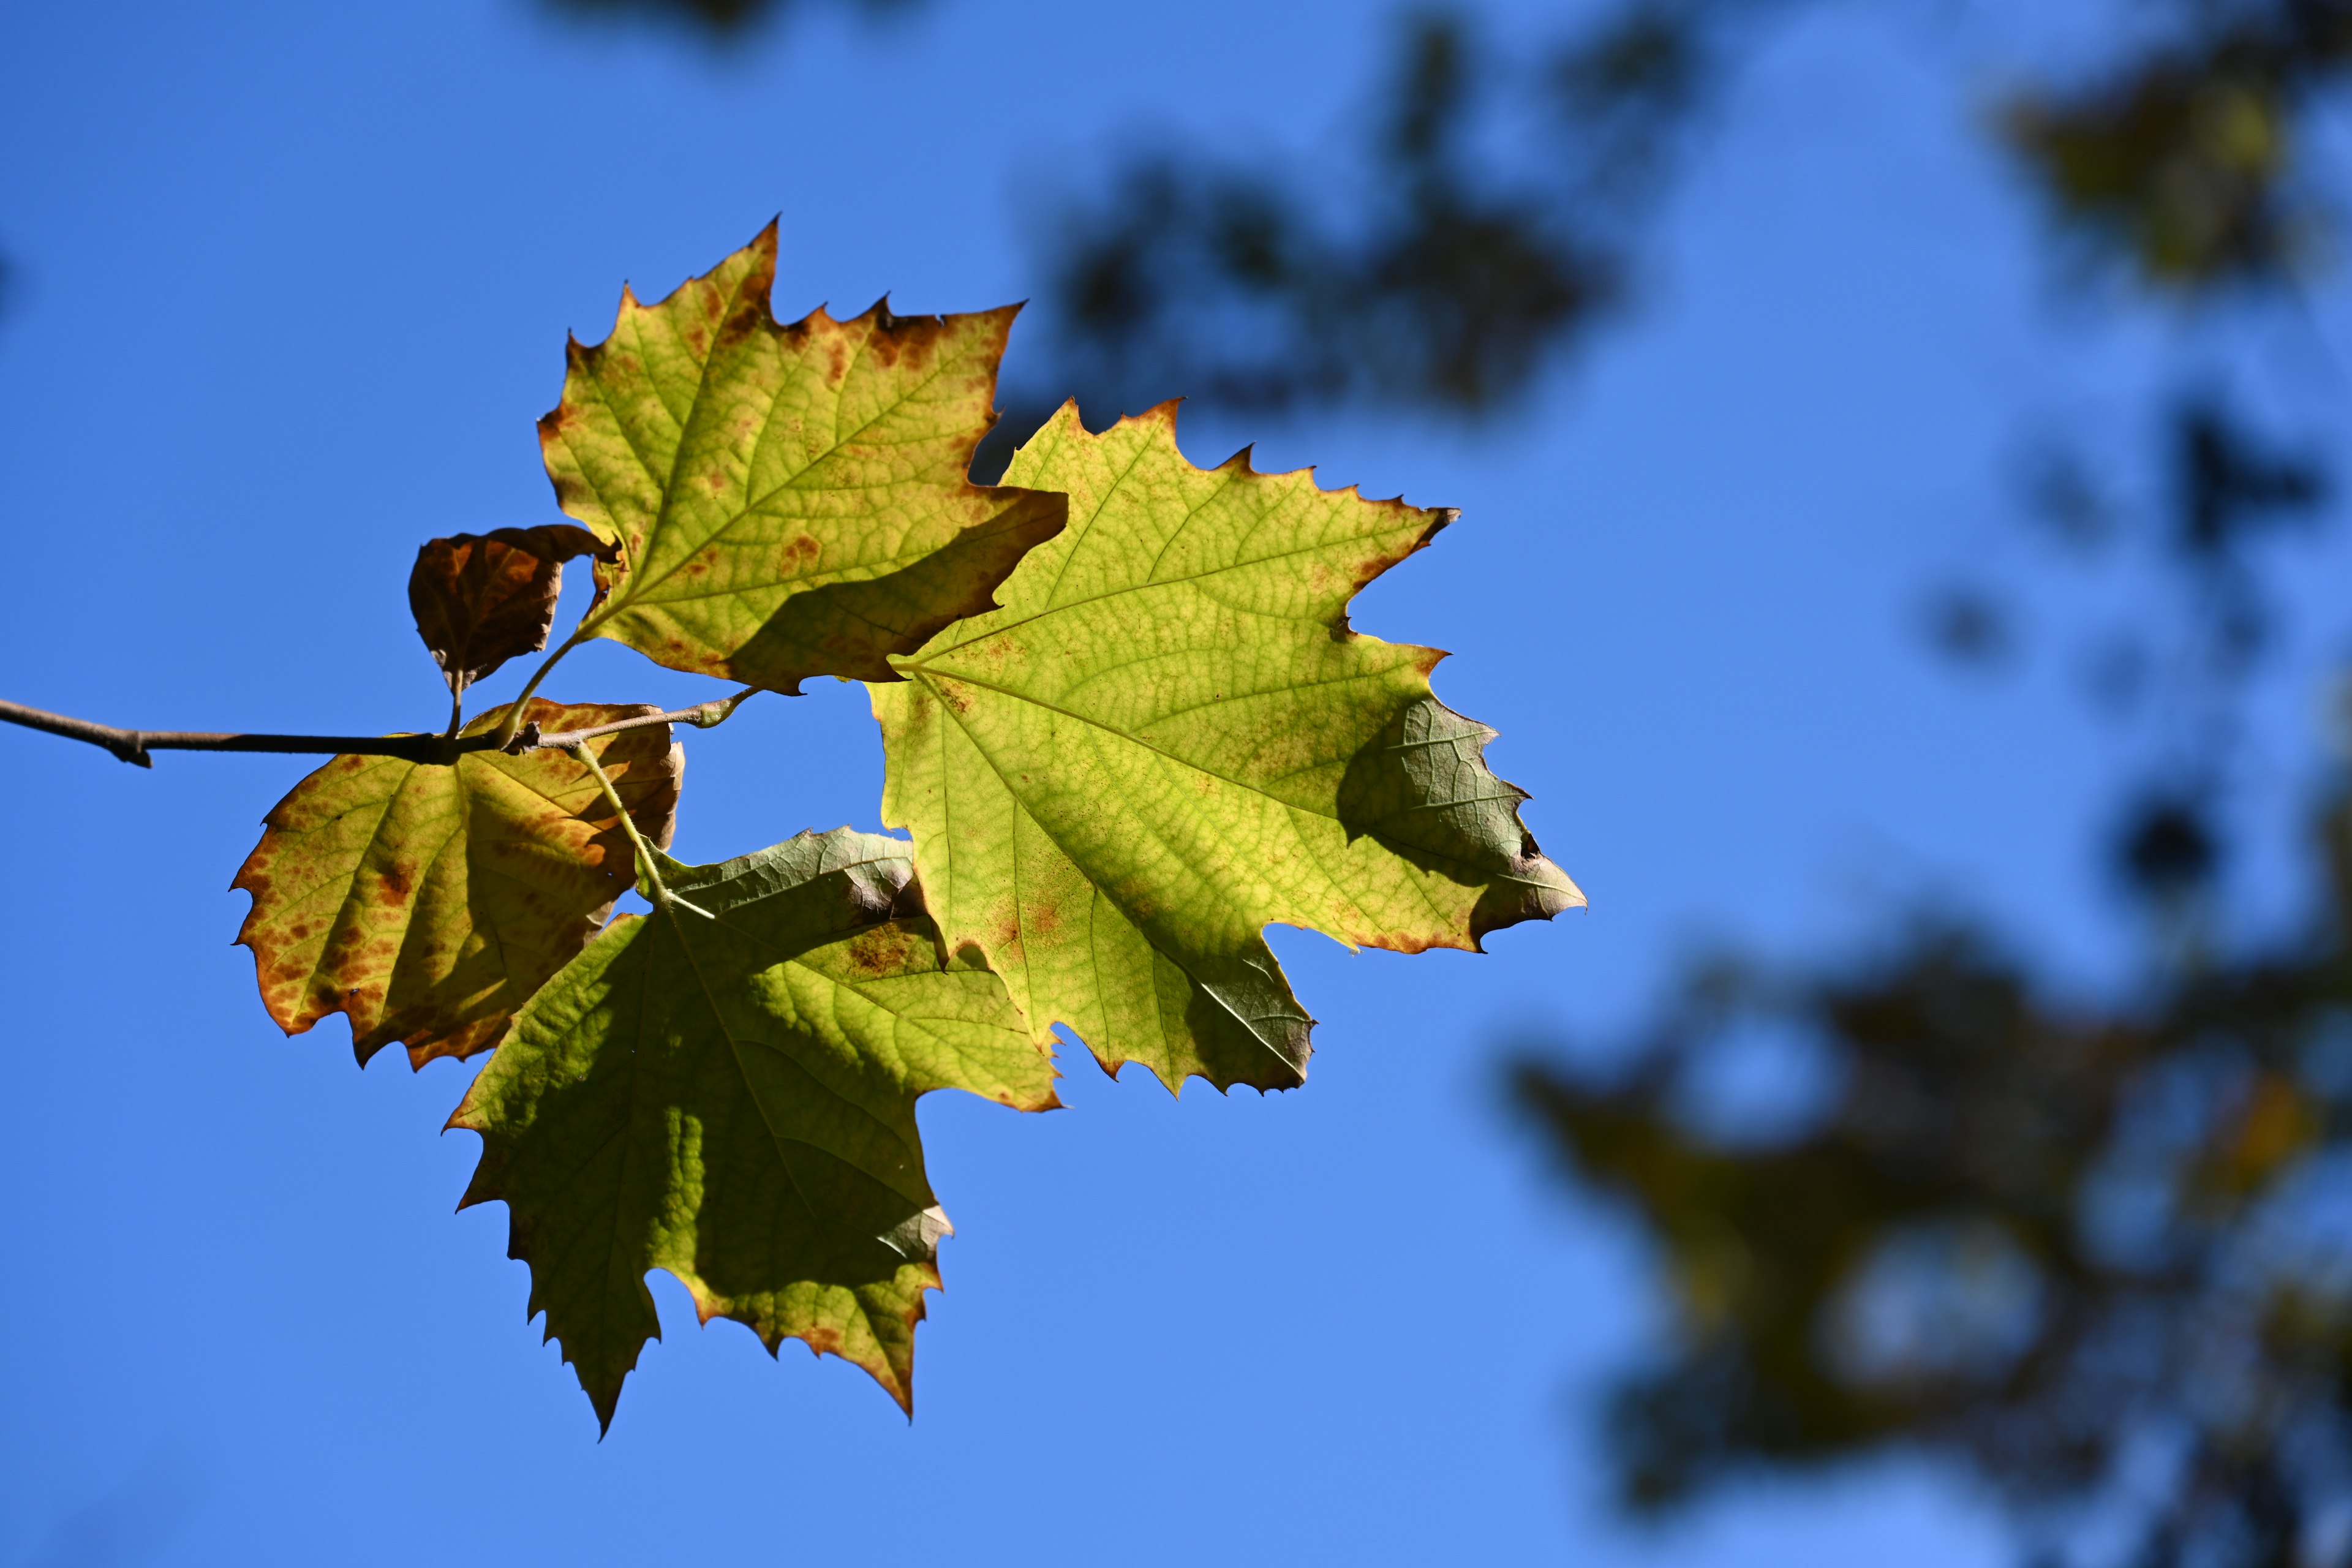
(787, 500)
(480, 599)
(1168, 738)
(731, 1097)
(428, 902)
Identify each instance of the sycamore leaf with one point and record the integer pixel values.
(730, 1096)
(1168, 738)
(787, 500)
(427, 902)
(480, 599)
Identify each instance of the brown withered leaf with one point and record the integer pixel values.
(480, 599)
(428, 903)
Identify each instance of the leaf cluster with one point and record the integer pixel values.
(1125, 722)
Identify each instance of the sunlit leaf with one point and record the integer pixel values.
(787, 500)
(1168, 738)
(729, 1095)
(428, 902)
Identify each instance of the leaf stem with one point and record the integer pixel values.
(649, 871)
(513, 722)
(132, 745)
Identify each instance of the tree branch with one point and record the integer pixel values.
(132, 745)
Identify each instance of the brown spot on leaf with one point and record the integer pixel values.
(884, 949)
(798, 556)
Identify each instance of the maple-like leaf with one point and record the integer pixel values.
(428, 902)
(481, 599)
(1168, 737)
(787, 500)
(727, 1091)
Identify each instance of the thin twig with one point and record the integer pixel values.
(510, 726)
(703, 715)
(132, 745)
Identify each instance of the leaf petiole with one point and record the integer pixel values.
(505, 733)
(647, 868)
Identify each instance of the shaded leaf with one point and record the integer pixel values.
(428, 902)
(731, 1097)
(787, 500)
(1169, 738)
(480, 599)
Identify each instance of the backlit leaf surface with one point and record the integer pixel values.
(428, 903)
(787, 500)
(730, 1097)
(1167, 738)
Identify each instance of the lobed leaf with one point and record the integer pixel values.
(428, 902)
(730, 1096)
(1168, 737)
(786, 500)
(480, 599)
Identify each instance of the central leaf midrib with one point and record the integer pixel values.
(735, 1054)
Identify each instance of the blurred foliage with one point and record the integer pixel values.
(2181, 657)
(1432, 278)
(721, 21)
(2184, 160)
(2057, 1244)
(2072, 1246)
(1493, 216)
(1223, 281)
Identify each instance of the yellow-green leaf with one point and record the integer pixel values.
(1168, 737)
(787, 500)
(728, 1092)
(427, 902)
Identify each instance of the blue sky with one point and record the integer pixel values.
(292, 286)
